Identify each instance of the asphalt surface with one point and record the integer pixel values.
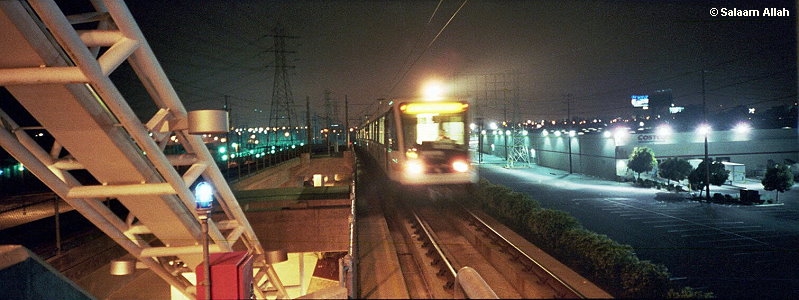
(734, 251)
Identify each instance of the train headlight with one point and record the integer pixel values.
(460, 166)
(414, 167)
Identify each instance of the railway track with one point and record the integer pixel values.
(436, 239)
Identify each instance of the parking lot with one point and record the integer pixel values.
(731, 250)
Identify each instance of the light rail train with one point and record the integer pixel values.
(421, 142)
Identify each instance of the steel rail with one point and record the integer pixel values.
(440, 258)
(534, 263)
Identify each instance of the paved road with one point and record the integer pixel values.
(733, 251)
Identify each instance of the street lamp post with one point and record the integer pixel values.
(572, 133)
(707, 131)
(206, 122)
(480, 126)
(707, 170)
(204, 197)
(704, 130)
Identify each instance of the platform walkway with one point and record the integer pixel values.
(378, 269)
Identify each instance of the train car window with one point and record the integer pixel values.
(371, 132)
(436, 130)
(391, 132)
(374, 131)
(381, 130)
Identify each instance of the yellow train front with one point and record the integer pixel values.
(421, 143)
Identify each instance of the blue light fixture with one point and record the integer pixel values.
(204, 196)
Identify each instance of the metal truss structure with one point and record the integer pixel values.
(281, 112)
(519, 155)
(57, 67)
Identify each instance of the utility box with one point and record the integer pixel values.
(231, 276)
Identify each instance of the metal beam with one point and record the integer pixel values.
(62, 63)
(41, 75)
(112, 191)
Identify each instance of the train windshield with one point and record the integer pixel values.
(438, 125)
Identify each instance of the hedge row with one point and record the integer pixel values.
(611, 265)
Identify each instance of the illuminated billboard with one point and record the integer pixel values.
(640, 101)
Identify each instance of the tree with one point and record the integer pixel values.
(642, 159)
(698, 177)
(778, 178)
(674, 169)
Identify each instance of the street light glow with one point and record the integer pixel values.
(663, 130)
(742, 128)
(741, 131)
(704, 129)
(434, 90)
(620, 132)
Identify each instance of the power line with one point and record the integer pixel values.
(416, 44)
(429, 45)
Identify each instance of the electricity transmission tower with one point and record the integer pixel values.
(331, 109)
(501, 90)
(518, 155)
(282, 118)
(331, 121)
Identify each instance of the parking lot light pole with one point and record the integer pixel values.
(707, 170)
(706, 132)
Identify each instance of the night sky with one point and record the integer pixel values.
(598, 52)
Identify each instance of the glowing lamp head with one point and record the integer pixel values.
(434, 90)
(663, 130)
(204, 196)
(620, 133)
(704, 130)
(742, 128)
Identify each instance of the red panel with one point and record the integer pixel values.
(231, 276)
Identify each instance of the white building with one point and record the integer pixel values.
(605, 155)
